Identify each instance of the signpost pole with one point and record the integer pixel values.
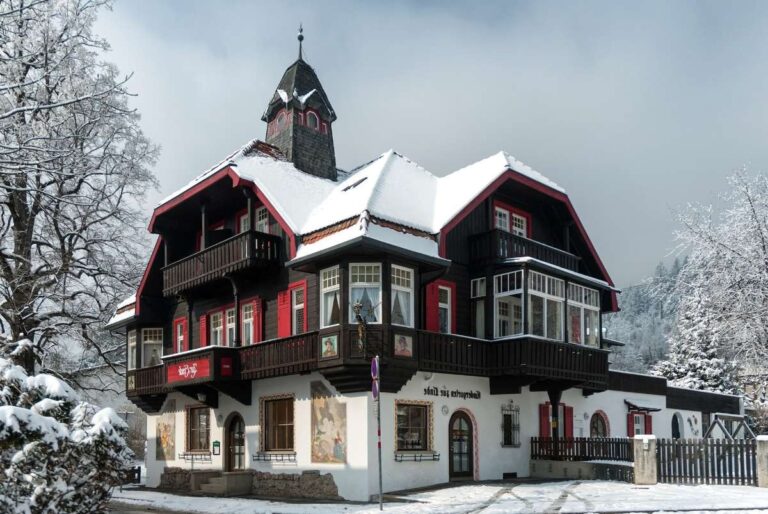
(377, 396)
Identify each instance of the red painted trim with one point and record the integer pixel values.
(512, 210)
(433, 304)
(145, 276)
(307, 112)
(300, 284)
(236, 181)
(537, 186)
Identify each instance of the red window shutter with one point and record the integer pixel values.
(203, 330)
(648, 424)
(185, 331)
(258, 324)
(545, 428)
(630, 425)
(568, 413)
(284, 313)
(452, 287)
(432, 320)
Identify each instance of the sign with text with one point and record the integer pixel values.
(444, 392)
(188, 370)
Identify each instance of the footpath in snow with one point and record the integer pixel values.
(495, 498)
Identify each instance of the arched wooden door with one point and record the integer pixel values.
(460, 450)
(235, 442)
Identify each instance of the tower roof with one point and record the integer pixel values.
(299, 84)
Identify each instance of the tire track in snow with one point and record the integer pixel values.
(556, 505)
(490, 501)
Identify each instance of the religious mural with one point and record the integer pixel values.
(165, 433)
(329, 426)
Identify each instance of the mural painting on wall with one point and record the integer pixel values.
(165, 433)
(329, 426)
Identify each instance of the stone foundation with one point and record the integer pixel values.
(309, 484)
(179, 479)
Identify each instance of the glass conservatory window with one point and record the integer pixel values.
(546, 301)
(508, 303)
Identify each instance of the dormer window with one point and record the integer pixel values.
(312, 121)
(512, 220)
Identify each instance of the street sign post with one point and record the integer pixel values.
(375, 391)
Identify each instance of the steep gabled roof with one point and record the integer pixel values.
(299, 83)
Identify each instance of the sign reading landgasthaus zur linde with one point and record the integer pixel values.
(188, 370)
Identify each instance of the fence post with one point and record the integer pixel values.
(645, 459)
(762, 461)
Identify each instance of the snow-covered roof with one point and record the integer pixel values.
(390, 187)
(124, 311)
(563, 271)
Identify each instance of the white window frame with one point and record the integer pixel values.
(585, 299)
(550, 284)
(370, 285)
(330, 281)
(261, 218)
(246, 324)
(477, 288)
(514, 227)
(447, 307)
(243, 223)
(409, 272)
(178, 335)
(216, 333)
(295, 308)
(639, 429)
(230, 341)
(317, 120)
(148, 341)
(131, 356)
(515, 278)
(502, 219)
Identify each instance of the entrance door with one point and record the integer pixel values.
(236, 444)
(460, 447)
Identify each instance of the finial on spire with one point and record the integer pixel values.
(300, 38)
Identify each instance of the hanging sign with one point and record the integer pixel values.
(217, 448)
(188, 370)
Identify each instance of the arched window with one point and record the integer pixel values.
(281, 120)
(312, 121)
(677, 426)
(598, 425)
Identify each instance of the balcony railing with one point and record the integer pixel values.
(499, 245)
(618, 449)
(236, 253)
(529, 359)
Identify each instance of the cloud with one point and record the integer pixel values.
(634, 108)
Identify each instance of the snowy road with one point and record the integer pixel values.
(495, 498)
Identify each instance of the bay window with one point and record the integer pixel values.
(217, 329)
(508, 303)
(402, 296)
(365, 290)
(330, 301)
(583, 315)
(545, 305)
(151, 346)
(131, 349)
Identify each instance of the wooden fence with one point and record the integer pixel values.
(707, 461)
(582, 448)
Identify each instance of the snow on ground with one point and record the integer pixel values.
(491, 498)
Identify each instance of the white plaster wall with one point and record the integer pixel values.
(351, 478)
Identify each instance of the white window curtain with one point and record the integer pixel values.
(365, 290)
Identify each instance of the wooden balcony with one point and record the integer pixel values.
(245, 250)
(499, 245)
(295, 354)
(145, 381)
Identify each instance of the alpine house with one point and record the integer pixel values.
(276, 278)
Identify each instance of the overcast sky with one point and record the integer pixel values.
(634, 108)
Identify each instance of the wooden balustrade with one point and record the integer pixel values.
(145, 380)
(583, 448)
(236, 253)
(499, 244)
(286, 356)
(450, 353)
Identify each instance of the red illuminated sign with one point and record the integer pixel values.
(189, 370)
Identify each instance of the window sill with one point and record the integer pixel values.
(196, 456)
(274, 456)
(416, 456)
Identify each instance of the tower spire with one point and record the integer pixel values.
(300, 38)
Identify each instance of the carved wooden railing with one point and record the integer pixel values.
(238, 252)
(145, 380)
(583, 448)
(499, 244)
(286, 356)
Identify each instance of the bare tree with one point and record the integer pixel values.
(74, 169)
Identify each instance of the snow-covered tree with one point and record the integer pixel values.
(57, 453)
(73, 171)
(694, 359)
